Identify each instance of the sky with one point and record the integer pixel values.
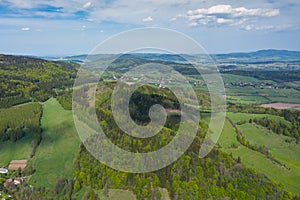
(60, 27)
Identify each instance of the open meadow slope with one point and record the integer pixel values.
(56, 153)
(19, 150)
(286, 153)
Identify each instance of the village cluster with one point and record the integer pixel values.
(12, 180)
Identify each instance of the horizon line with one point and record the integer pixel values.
(157, 53)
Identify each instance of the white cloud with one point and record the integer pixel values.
(220, 15)
(167, 13)
(223, 21)
(83, 27)
(148, 19)
(234, 12)
(133, 12)
(25, 29)
(268, 27)
(192, 24)
(249, 27)
(87, 5)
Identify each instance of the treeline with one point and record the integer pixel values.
(18, 121)
(24, 78)
(7, 102)
(278, 127)
(64, 97)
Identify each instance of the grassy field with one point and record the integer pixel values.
(56, 153)
(15, 150)
(250, 95)
(114, 194)
(229, 78)
(276, 143)
(285, 152)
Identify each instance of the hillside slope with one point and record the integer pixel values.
(24, 78)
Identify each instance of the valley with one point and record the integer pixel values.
(257, 140)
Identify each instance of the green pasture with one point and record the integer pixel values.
(60, 142)
(287, 153)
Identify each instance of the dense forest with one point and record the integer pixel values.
(20, 120)
(23, 79)
(64, 97)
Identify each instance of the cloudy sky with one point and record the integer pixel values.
(60, 27)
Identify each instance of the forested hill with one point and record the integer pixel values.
(24, 79)
(217, 176)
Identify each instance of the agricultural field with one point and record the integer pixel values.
(251, 95)
(60, 142)
(229, 78)
(249, 90)
(281, 106)
(242, 89)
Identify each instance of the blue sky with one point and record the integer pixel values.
(59, 27)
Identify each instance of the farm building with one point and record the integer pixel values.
(13, 183)
(16, 164)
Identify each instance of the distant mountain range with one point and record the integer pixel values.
(269, 55)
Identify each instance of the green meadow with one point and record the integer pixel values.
(287, 153)
(56, 153)
(18, 150)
